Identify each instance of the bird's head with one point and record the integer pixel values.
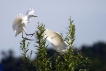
(30, 13)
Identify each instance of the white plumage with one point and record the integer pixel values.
(20, 22)
(56, 40)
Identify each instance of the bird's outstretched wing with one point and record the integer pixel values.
(53, 37)
(30, 11)
(17, 21)
(56, 40)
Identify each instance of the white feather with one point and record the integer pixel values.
(20, 22)
(56, 40)
(30, 11)
(17, 21)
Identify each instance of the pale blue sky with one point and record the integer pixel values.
(89, 18)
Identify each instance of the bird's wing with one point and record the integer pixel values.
(19, 29)
(56, 40)
(17, 21)
(30, 11)
(53, 37)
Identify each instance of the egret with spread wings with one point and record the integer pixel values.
(56, 40)
(21, 21)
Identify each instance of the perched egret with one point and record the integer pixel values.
(56, 40)
(20, 22)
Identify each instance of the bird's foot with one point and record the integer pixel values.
(28, 39)
(33, 34)
(30, 34)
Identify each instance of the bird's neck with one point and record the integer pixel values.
(28, 17)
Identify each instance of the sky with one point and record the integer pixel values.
(89, 18)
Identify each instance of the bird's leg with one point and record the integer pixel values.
(22, 35)
(27, 34)
(25, 37)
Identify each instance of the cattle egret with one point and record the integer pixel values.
(20, 22)
(56, 40)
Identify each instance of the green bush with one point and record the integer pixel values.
(68, 61)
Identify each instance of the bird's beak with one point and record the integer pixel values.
(35, 16)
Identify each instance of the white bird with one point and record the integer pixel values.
(56, 40)
(20, 22)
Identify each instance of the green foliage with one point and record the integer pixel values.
(68, 61)
(41, 62)
(24, 51)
